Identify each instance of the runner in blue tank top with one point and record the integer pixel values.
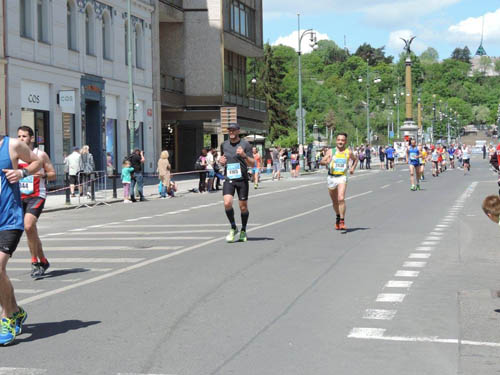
(412, 158)
(11, 228)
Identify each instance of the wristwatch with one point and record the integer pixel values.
(25, 172)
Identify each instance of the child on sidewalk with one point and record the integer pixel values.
(126, 180)
(491, 207)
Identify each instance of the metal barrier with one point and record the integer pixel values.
(92, 188)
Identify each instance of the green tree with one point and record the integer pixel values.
(373, 55)
(481, 114)
(429, 56)
(484, 63)
(461, 54)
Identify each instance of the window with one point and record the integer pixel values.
(71, 24)
(242, 20)
(126, 43)
(25, 29)
(42, 9)
(235, 80)
(89, 31)
(106, 36)
(139, 47)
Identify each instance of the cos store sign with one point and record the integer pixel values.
(35, 95)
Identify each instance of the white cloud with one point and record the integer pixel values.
(292, 41)
(469, 30)
(396, 44)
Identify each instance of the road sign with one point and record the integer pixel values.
(297, 113)
(391, 134)
(228, 115)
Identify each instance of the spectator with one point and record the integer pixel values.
(127, 171)
(368, 156)
(217, 169)
(381, 156)
(88, 167)
(109, 164)
(491, 207)
(74, 165)
(295, 163)
(201, 165)
(484, 151)
(137, 161)
(210, 170)
(275, 157)
(164, 173)
(361, 157)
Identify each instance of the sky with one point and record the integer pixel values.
(441, 24)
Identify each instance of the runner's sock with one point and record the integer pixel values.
(244, 220)
(230, 217)
(34, 260)
(44, 260)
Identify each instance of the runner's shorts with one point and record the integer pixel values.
(466, 161)
(334, 181)
(240, 186)
(34, 206)
(9, 240)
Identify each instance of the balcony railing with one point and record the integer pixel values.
(250, 103)
(175, 3)
(172, 84)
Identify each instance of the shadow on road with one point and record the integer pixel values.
(260, 239)
(40, 331)
(349, 230)
(58, 273)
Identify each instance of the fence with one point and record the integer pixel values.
(92, 189)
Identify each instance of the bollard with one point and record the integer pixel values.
(115, 195)
(92, 187)
(68, 199)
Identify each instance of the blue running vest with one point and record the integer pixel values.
(11, 208)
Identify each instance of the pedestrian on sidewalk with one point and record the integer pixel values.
(368, 157)
(137, 161)
(88, 167)
(164, 173)
(74, 164)
(210, 170)
(217, 169)
(201, 165)
(127, 171)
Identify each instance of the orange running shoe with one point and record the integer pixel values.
(337, 223)
(342, 225)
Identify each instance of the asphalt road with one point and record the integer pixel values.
(152, 288)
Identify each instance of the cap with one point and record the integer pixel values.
(76, 148)
(233, 125)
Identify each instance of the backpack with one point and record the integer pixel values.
(198, 166)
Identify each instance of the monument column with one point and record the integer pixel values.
(409, 128)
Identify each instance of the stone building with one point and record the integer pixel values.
(67, 75)
(200, 65)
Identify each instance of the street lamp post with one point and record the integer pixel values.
(434, 117)
(131, 101)
(314, 44)
(360, 80)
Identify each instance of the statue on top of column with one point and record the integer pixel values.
(408, 44)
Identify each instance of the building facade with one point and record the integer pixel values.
(3, 68)
(67, 76)
(200, 65)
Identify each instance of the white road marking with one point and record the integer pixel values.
(170, 255)
(378, 334)
(390, 297)
(429, 243)
(404, 273)
(54, 234)
(419, 256)
(442, 225)
(126, 238)
(424, 248)
(436, 234)
(62, 269)
(398, 284)
(378, 314)
(414, 264)
(83, 260)
(139, 233)
(79, 229)
(96, 226)
(102, 248)
(433, 238)
(385, 186)
(176, 225)
(21, 371)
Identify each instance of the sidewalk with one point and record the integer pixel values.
(185, 183)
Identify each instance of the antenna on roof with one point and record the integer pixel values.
(481, 51)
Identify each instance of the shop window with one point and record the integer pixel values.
(42, 9)
(139, 47)
(89, 31)
(26, 20)
(68, 124)
(71, 24)
(106, 36)
(126, 42)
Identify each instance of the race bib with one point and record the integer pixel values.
(339, 165)
(26, 185)
(233, 171)
(413, 157)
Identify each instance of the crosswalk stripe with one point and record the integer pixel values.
(66, 238)
(132, 233)
(114, 225)
(83, 260)
(28, 291)
(102, 248)
(21, 371)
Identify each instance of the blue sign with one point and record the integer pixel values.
(391, 134)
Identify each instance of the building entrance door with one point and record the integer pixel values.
(93, 132)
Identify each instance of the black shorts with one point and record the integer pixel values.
(241, 186)
(34, 206)
(466, 161)
(390, 159)
(73, 180)
(9, 240)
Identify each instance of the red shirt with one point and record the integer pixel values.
(498, 153)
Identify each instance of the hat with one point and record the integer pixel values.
(76, 148)
(233, 125)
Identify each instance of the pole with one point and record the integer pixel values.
(299, 120)
(131, 102)
(397, 96)
(368, 138)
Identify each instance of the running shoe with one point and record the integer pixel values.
(342, 225)
(19, 319)
(232, 235)
(337, 223)
(7, 331)
(42, 267)
(35, 268)
(418, 187)
(243, 236)
(413, 188)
